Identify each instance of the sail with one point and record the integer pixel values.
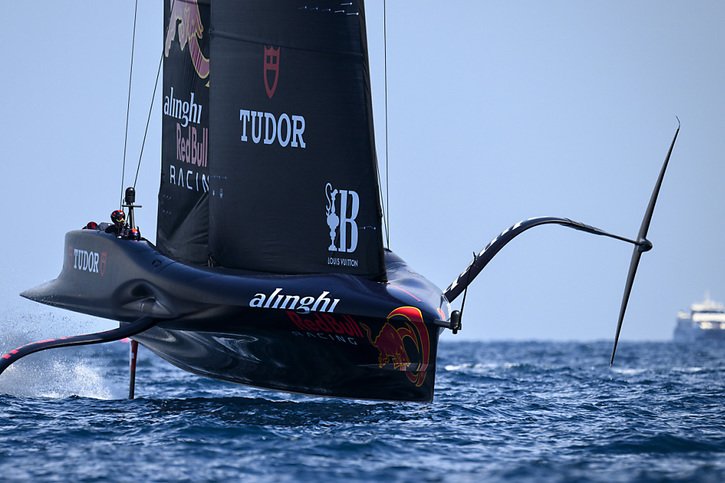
(183, 209)
(294, 184)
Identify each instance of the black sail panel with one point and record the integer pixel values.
(183, 213)
(294, 185)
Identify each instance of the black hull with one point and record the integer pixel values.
(331, 335)
(304, 362)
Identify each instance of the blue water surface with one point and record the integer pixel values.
(503, 411)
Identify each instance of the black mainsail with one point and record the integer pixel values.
(271, 166)
(294, 174)
(183, 213)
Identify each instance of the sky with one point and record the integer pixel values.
(497, 111)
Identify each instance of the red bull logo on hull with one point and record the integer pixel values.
(343, 329)
(185, 19)
(403, 323)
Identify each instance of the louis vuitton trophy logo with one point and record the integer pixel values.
(342, 210)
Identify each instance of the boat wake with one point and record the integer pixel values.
(57, 378)
(53, 375)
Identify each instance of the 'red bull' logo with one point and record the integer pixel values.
(340, 329)
(185, 19)
(271, 70)
(391, 343)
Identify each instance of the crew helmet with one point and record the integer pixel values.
(118, 217)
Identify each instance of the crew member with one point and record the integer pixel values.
(118, 228)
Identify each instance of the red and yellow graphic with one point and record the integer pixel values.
(390, 342)
(185, 19)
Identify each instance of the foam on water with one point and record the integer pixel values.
(628, 371)
(56, 378)
(58, 373)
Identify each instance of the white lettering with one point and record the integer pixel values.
(298, 129)
(267, 128)
(270, 128)
(348, 219)
(284, 141)
(188, 179)
(319, 300)
(256, 126)
(304, 305)
(244, 117)
(257, 300)
(86, 261)
(287, 299)
(274, 294)
(185, 111)
(188, 185)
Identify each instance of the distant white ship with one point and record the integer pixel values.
(706, 320)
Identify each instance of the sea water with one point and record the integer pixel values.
(503, 411)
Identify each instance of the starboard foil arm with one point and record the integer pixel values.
(641, 245)
(486, 255)
(125, 330)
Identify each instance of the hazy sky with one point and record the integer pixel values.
(498, 111)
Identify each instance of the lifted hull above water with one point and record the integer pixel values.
(311, 362)
(332, 335)
(362, 327)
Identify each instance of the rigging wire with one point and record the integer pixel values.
(128, 102)
(151, 108)
(378, 172)
(148, 119)
(387, 159)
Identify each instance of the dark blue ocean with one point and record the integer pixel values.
(504, 411)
